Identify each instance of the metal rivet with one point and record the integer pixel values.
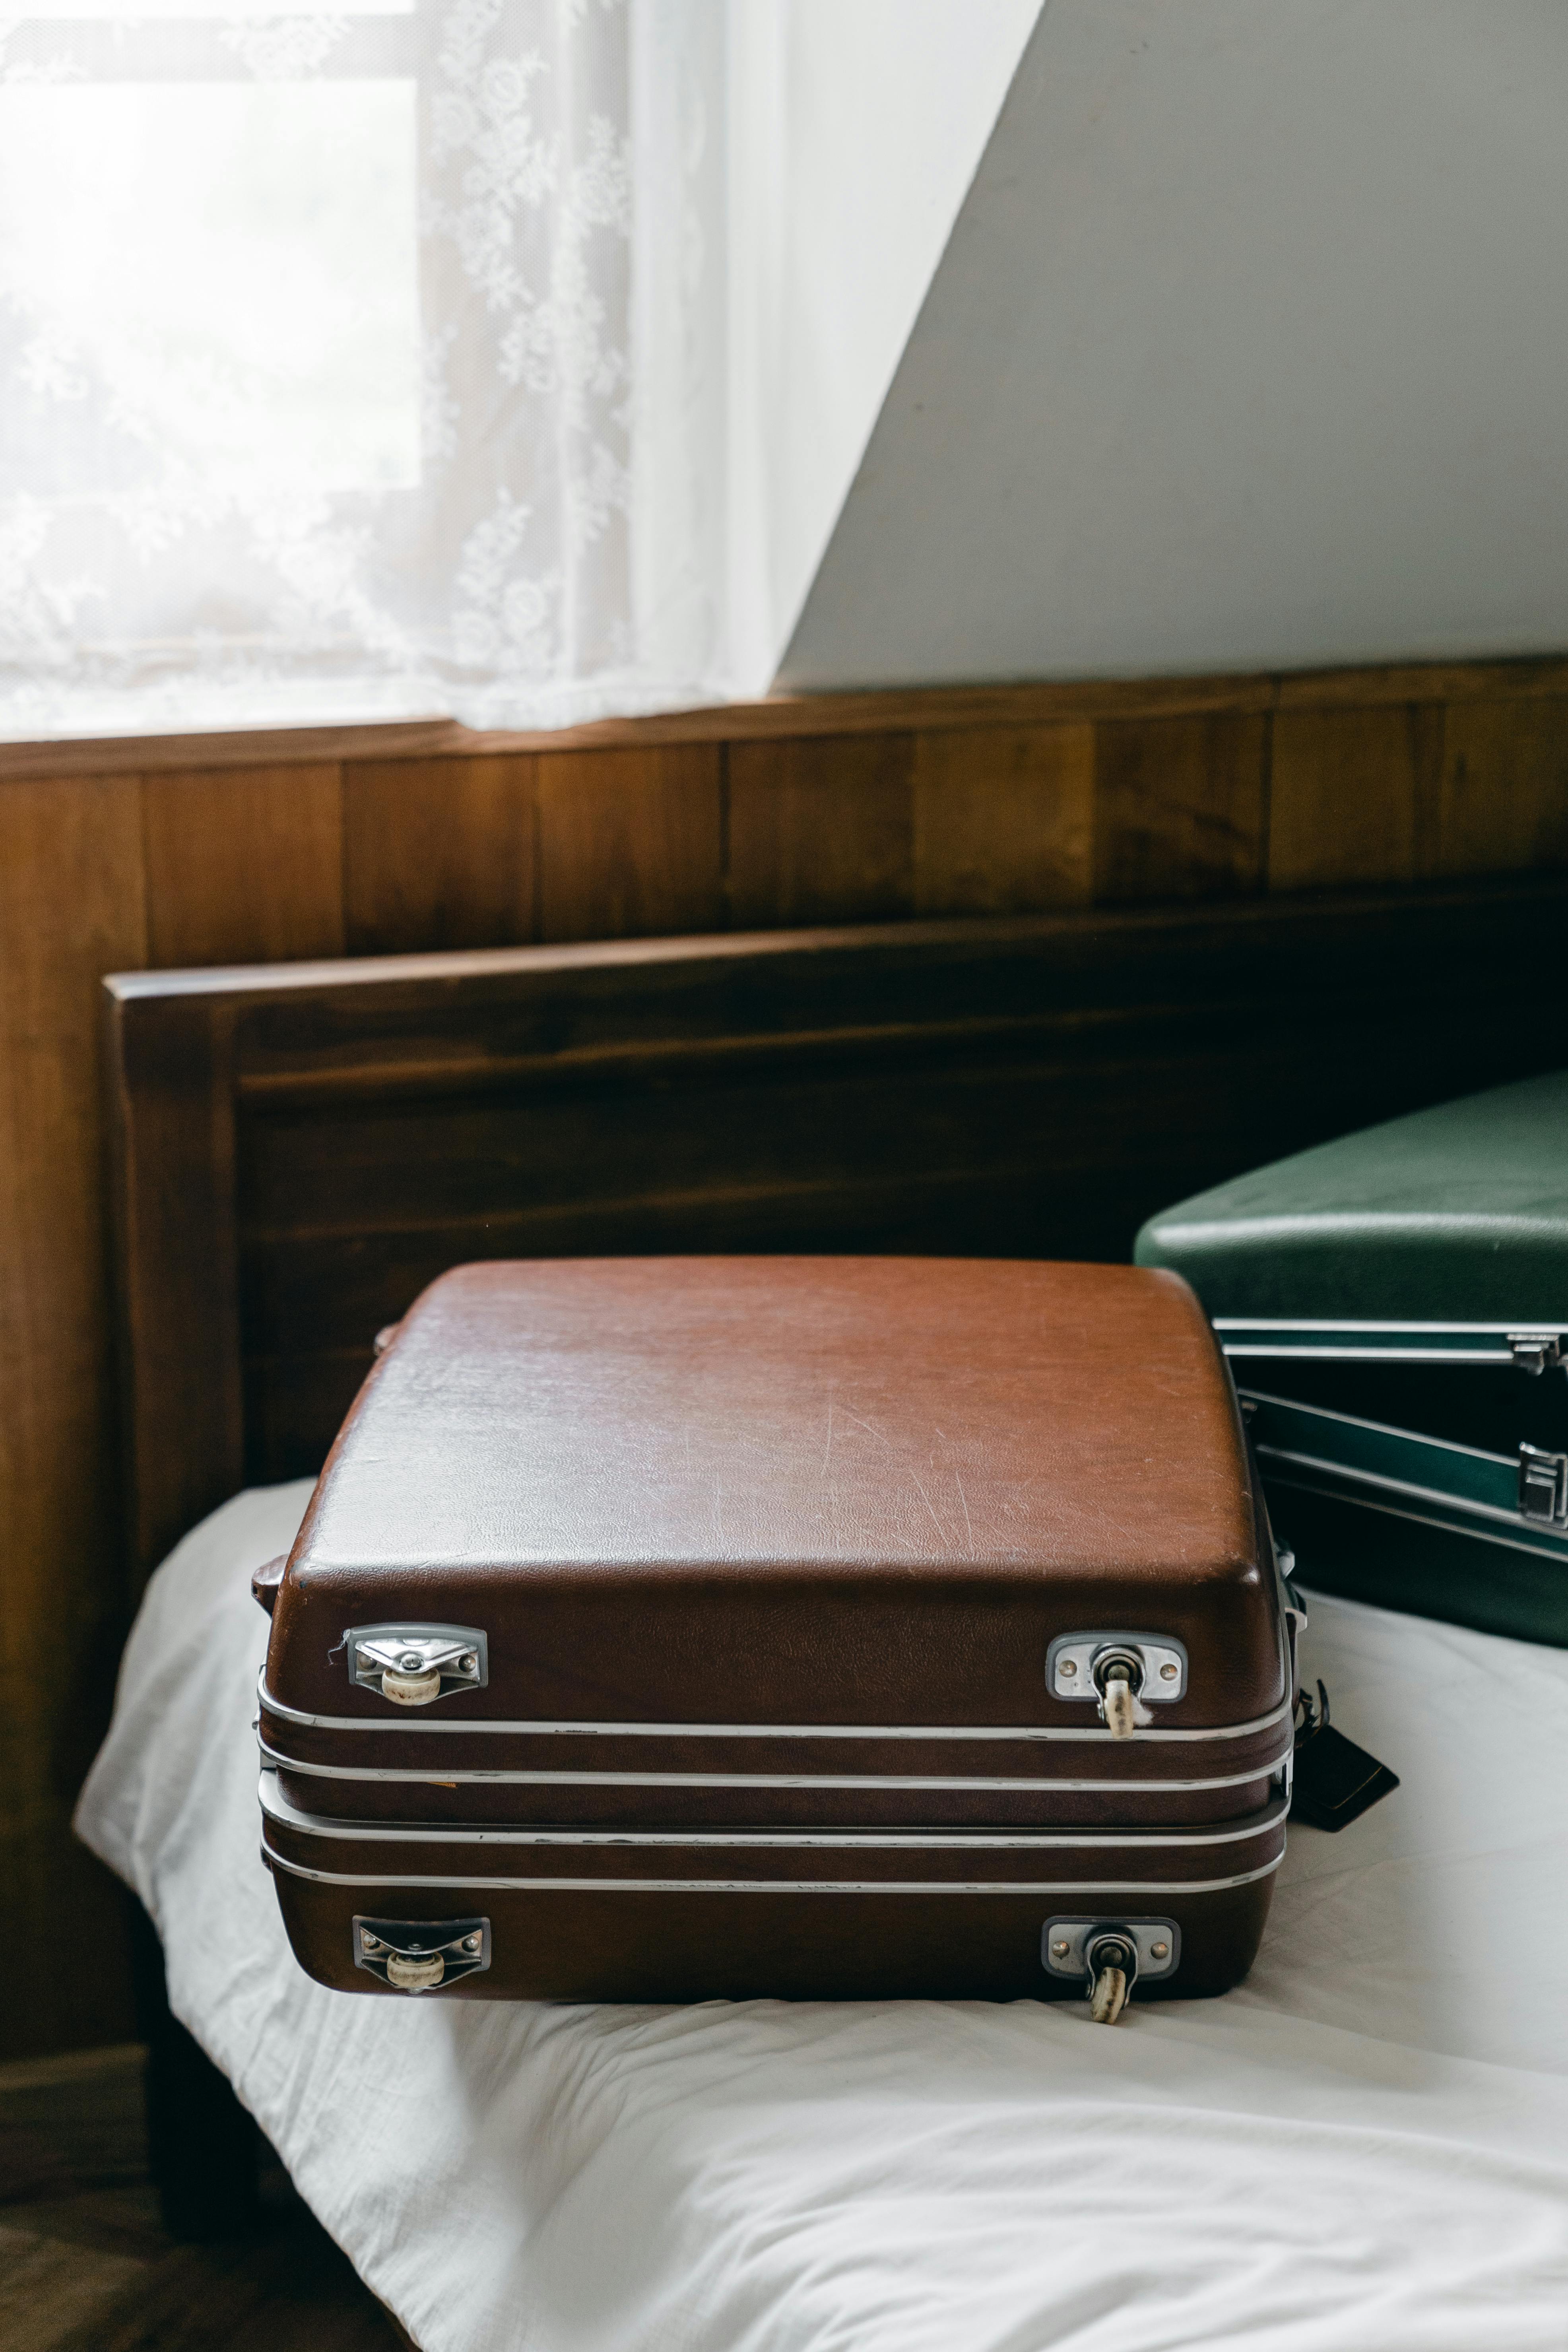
(1160, 1952)
(370, 1943)
(411, 1661)
(416, 1948)
(1060, 1950)
(472, 1943)
(1068, 1667)
(1167, 1674)
(470, 1661)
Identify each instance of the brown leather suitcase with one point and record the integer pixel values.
(668, 1629)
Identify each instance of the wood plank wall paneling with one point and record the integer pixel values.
(849, 808)
(1181, 807)
(1504, 787)
(822, 830)
(244, 865)
(631, 843)
(1004, 820)
(71, 904)
(439, 854)
(1353, 796)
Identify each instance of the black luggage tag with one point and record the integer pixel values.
(1335, 1781)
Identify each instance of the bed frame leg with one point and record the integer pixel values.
(203, 2147)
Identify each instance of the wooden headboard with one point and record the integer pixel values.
(297, 1148)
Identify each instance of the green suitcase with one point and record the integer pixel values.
(1395, 1309)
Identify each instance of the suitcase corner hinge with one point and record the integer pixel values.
(1543, 1487)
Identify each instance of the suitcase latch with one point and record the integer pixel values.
(418, 1955)
(1535, 1351)
(412, 1664)
(1122, 1674)
(1108, 1956)
(1544, 1486)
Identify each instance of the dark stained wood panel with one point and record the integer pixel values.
(822, 830)
(631, 843)
(71, 905)
(87, 2264)
(168, 1090)
(1180, 807)
(1004, 820)
(1031, 1087)
(1505, 787)
(1352, 796)
(439, 854)
(243, 866)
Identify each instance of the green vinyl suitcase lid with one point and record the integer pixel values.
(1454, 1215)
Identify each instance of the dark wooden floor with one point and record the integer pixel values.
(85, 2265)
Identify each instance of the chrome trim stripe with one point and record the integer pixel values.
(1032, 1731)
(1054, 1886)
(481, 1777)
(1457, 1523)
(275, 1807)
(1333, 1339)
(1350, 1323)
(1461, 1506)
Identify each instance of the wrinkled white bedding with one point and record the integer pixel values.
(1365, 2150)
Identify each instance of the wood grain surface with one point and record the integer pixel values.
(821, 830)
(86, 2266)
(438, 854)
(299, 1152)
(1004, 820)
(1350, 795)
(631, 843)
(244, 864)
(842, 808)
(1181, 807)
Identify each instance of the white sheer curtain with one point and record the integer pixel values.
(360, 362)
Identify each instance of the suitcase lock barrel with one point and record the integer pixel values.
(1107, 1955)
(1123, 1673)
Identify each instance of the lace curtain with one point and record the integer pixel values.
(360, 362)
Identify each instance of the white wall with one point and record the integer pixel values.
(854, 127)
(1249, 348)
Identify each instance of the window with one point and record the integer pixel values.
(316, 386)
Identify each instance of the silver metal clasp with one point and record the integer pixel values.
(1544, 1486)
(419, 1955)
(1154, 1667)
(412, 1664)
(1109, 1955)
(1535, 1351)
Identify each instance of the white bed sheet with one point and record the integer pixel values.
(1363, 2149)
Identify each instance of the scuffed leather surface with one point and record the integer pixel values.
(788, 1490)
(683, 1948)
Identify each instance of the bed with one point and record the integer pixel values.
(1367, 2144)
